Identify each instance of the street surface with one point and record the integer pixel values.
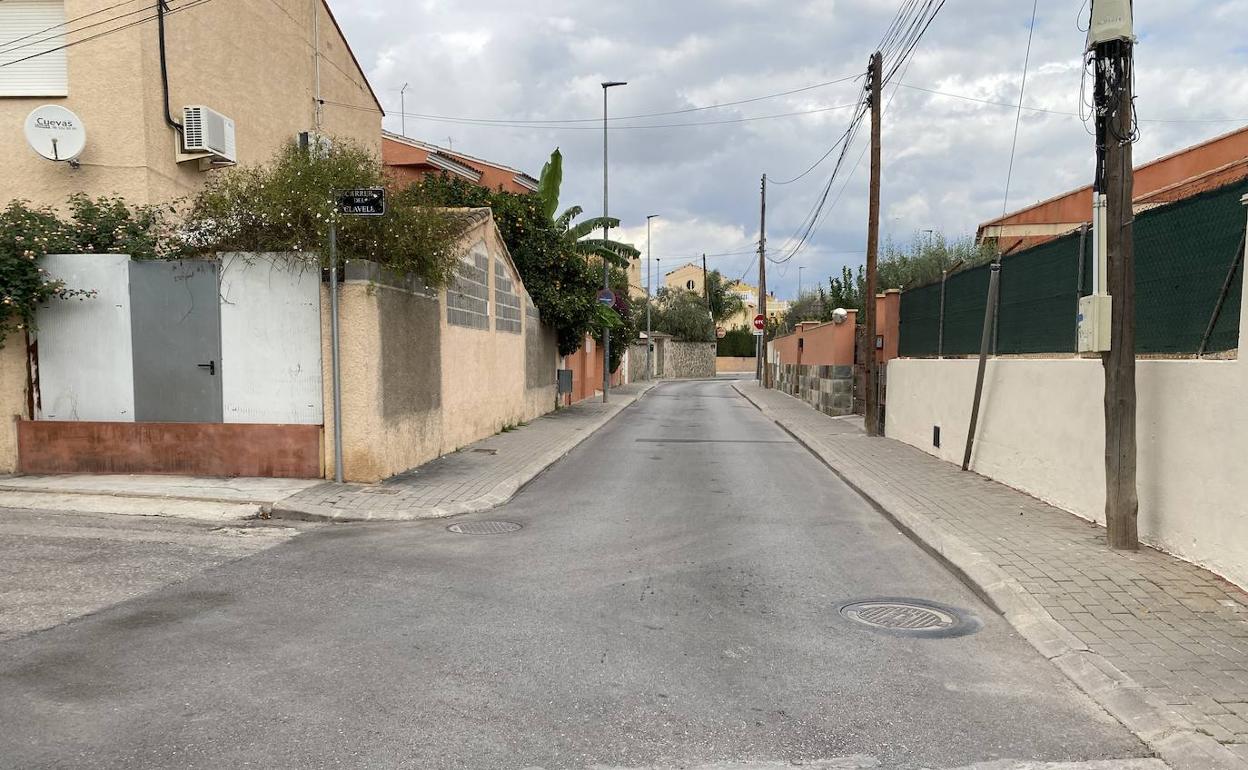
(671, 601)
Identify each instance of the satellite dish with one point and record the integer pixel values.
(55, 133)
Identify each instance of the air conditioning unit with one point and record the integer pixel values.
(207, 135)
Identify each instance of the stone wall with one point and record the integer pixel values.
(688, 360)
(637, 362)
(830, 389)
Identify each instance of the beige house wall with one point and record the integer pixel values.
(415, 387)
(251, 61)
(12, 397)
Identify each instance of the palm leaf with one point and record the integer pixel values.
(565, 219)
(583, 229)
(615, 247)
(550, 182)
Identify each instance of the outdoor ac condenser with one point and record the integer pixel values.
(206, 132)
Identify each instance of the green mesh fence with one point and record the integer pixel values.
(1183, 252)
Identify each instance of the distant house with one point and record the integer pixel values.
(1206, 166)
(409, 160)
(273, 70)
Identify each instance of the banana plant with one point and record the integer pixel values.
(576, 235)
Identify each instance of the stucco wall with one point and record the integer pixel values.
(735, 364)
(689, 360)
(1042, 431)
(12, 397)
(415, 387)
(251, 61)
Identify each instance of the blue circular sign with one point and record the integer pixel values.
(606, 297)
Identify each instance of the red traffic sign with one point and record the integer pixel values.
(760, 322)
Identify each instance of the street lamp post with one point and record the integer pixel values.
(606, 235)
(649, 343)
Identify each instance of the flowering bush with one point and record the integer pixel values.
(287, 205)
(27, 234)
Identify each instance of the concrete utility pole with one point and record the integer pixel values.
(876, 73)
(606, 235)
(706, 287)
(765, 376)
(403, 110)
(649, 301)
(1114, 96)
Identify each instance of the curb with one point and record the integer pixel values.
(500, 494)
(1167, 733)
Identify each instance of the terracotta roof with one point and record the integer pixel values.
(519, 177)
(1232, 143)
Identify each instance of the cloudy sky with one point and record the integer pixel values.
(945, 158)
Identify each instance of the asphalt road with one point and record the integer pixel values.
(671, 601)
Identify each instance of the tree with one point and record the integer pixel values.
(286, 205)
(723, 302)
(577, 236)
(922, 260)
(683, 315)
(562, 283)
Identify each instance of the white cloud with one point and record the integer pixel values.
(946, 158)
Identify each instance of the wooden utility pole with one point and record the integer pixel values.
(762, 280)
(876, 74)
(1115, 133)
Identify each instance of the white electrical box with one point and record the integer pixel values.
(1111, 20)
(1094, 323)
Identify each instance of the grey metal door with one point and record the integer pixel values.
(176, 331)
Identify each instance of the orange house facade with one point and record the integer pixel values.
(1206, 166)
(409, 160)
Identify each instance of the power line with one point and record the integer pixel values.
(518, 124)
(6, 45)
(685, 111)
(185, 7)
(1018, 117)
(1012, 105)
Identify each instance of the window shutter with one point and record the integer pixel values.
(27, 28)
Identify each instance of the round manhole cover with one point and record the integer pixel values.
(911, 617)
(483, 527)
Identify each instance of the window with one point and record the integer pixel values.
(690, 285)
(30, 33)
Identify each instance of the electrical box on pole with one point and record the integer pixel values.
(1111, 20)
(1094, 311)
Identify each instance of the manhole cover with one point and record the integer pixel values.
(911, 617)
(483, 527)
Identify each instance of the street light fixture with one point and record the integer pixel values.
(649, 344)
(606, 235)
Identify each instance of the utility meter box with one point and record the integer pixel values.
(1111, 20)
(1094, 323)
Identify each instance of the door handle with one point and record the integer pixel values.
(211, 366)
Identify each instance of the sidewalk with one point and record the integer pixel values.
(181, 497)
(476, 478)
(1159, 643)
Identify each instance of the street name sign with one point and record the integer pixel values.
(362, 202)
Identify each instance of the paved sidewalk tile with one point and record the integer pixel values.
(1172, 634)
(477, 477)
